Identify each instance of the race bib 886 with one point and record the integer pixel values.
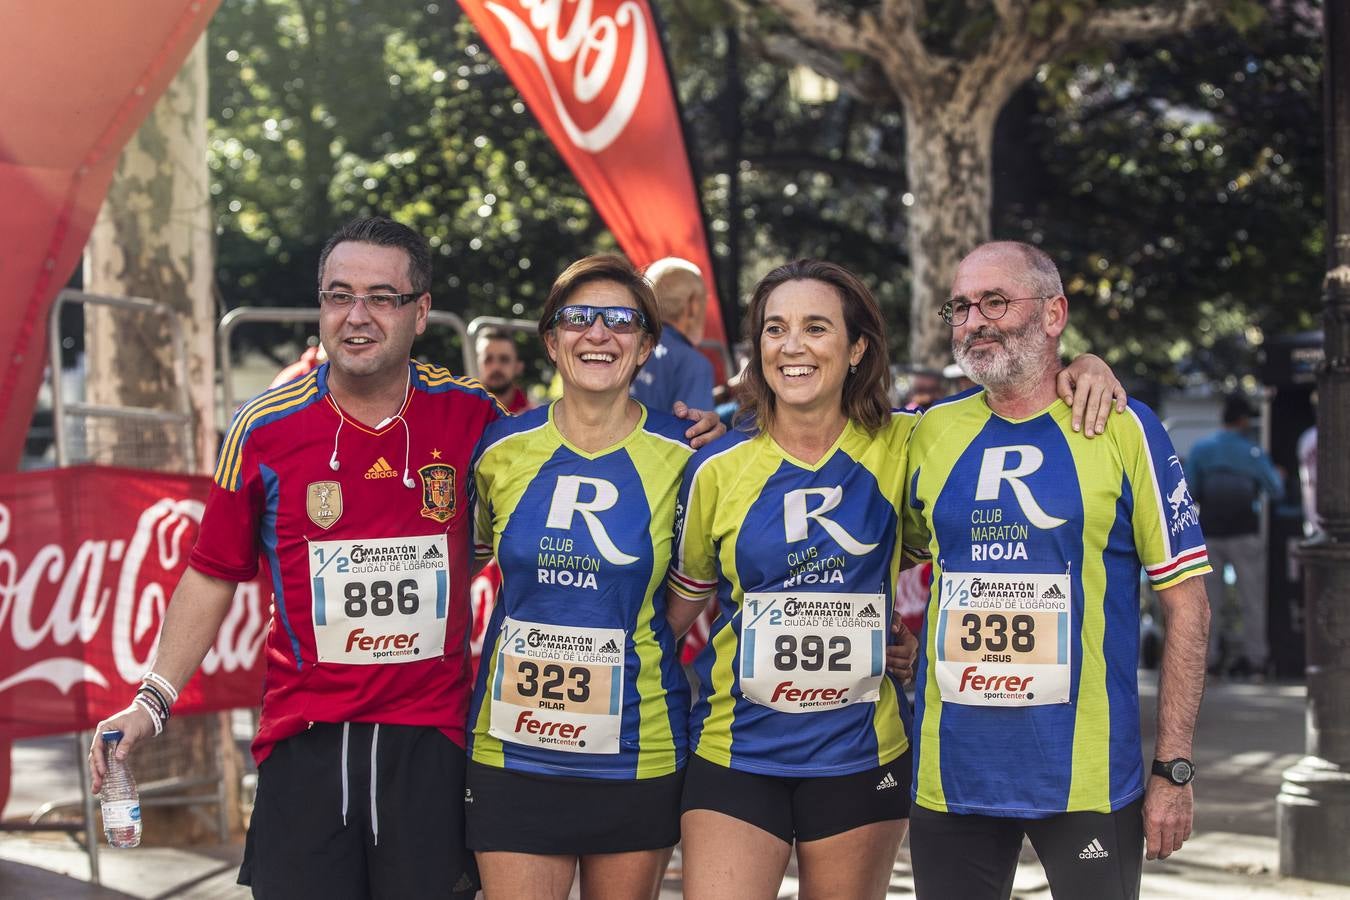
(380, 601)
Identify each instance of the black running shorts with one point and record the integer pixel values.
(324, 828)
(522, 812)
(803, 809)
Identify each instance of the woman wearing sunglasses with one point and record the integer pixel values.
(578, 722)
(799, 734)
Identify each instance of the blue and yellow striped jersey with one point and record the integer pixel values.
(801, 558)
(580, 674)
(1031, 637)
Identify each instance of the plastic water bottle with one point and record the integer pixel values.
(121, 802)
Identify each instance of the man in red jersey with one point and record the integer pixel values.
(350, 482)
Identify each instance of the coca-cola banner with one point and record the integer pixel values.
(594, 75)
(89, 557)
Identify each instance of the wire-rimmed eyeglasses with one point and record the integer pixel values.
(378, 302)
(992, 305)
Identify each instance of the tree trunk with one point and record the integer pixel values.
(948, 160)
(153, 239)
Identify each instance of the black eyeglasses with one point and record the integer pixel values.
(618, 319)
(377, 302)
(992, 305)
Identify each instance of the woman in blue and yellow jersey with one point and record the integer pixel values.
(791, 521)
(579, 719)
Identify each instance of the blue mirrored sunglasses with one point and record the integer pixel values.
(618, 319)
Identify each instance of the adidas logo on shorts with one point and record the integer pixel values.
(610, 647)
(1053, 593)
(868, 612)
(433, 552)
(381, 469)
(1094, 850)
(887, 783)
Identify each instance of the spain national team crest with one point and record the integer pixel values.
(323, 502)
(438, 491)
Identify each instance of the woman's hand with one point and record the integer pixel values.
(901, 655)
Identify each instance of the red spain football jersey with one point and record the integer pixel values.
(370, 577)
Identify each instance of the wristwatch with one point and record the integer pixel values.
(1179, 771)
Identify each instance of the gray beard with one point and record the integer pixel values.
(1018, 354)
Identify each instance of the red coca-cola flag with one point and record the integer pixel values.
(594, 74)
(89, 557)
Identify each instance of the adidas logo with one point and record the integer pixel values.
(610, 647)
(887, 783)
(1094, 850)
(1053, 593)
(381, 469)
(869, 612)
(433, 552)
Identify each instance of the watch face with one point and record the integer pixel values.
(1182, 772)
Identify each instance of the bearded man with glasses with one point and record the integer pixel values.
(1032, 636)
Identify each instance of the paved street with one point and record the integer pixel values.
(1248, 735)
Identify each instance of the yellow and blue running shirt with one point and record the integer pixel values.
(802, 559)
(580, 674)
(1026, 698)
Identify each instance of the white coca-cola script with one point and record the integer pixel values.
(129, 579)
(591, 46)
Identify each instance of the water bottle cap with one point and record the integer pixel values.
(110, 736)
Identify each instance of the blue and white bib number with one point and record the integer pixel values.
(805, 652)
(1003, 639)
(558, 687)
(379, 602)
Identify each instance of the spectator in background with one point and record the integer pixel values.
(499, 366)
(677, 371)
(313, 357)
(924, 389)
(959, 380)
(1226, 475)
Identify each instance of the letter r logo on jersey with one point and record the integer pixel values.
(795, 516)
(994, 470)
(567, 501)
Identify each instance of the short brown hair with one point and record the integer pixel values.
(602, 267)
(866, 398)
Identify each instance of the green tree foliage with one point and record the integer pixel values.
(1177, 182)
(1181, 187)
(323, 110)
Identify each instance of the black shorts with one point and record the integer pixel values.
(806, 809)
(1085, 854)
(521, 812)
(321, 829)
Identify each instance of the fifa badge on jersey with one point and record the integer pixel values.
(438, 491)
(323, 502)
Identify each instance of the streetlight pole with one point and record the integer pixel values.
(1313, 808)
